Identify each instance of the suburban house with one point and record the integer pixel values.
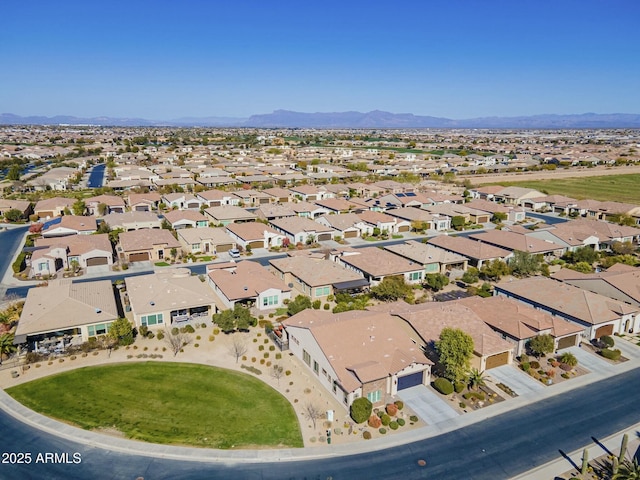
(338, 205)
(598, 235)
(376, 264)
(429, 319)
(518, 323)
(515, 195)
(254, 235)
(169, 298)
(316, 277)
(228, 214)
(217, 198)
(250, 198)
(65, 313)
(510, 240)
(431, 221)
(55, 253)
(143, 202)
(205, 240)
(346, 223)
(470, 215)
(147, 245)
(303, 230)
(53, 207)
(179, 219)
(620, 282)
(271, 211)
(357, 354)
(596, 314)
(309, 210)
(134, 220)
(103, 204)
(311, 193)
(433, 259)
(182, 201)
(249, 284)
(477, 252)
(70, 225)
(23, 206)
(514, 213)
(280, 195)
(382, 221)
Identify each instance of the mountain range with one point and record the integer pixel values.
(373, 119)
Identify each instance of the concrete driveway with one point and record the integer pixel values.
(591, 361)
(428, 405)
(516, 379)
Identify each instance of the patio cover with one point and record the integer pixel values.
(348, 285)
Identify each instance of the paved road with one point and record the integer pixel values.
(498, 447)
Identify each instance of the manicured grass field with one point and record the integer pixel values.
(618, 188)
(169, 403)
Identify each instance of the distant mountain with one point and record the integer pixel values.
(373, 119)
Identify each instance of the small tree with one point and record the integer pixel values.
(238, 348)
(495, 269)
(13, 215)
(499, 217)
(458, 222)
(472, 275)
(436, 281)
(476, 379)
(524, 263)
(176, 340)
(455, 349)
(569, 358)
(6, 345)
(277, 372)
(298, 304)
(541, 344)
(391, 289)
(121, 331)
(312, 412)
(79, 207)
(225, 320)
(361, 409)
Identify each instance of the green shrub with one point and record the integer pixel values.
(393, 425)
(212, 338)
(607, 341)
(326, 306)
(535, 365)
(459, 387)
(287, 373)
(413, 418)
(399, 404)
(462, 405)
(611, 354)
(19, 264)
(198, 337)
(525, 366)
(272, 348)
(361, 410)
(189, 329)
(366, 435)
(443, 386)
(160, 336)
(476, 395)
(383, 430)
(524, 358)
(316, 304)
(216, 331)
(266, 354)
(175, 331)
(261, 347)
(386, 419)
(143, 331)
(278, 356)
(196, 345)
(565, 375)
(401, 422)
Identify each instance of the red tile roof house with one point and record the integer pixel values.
(597, 314)
(303, 230)
(477, 252)
(71, 225)
(249, 284)
(254, 235)
(52, 207)
(147, 245)
(55, 253)
(429, 319)
(317, 278)
(112, 203)
(144, 202)
(205, 240)
(357, 354)
(180, 219)
(375, 264)
(519, 323)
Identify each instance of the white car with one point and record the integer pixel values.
(234, 253)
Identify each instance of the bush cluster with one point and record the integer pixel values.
(361, 410)
(385, 419)
(374, 421)
(611, 354)
(401, 422)
(459, 387)
(443, 386)
(399, 404)
(392, 409)
(393, 425)
(251, 369)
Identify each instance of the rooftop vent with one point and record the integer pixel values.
(98, 310)
(152, 303)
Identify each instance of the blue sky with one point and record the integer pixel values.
(450, 58)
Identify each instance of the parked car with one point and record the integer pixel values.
(234, 253)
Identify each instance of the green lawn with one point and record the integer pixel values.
(618, 188)
(161, 264)
(170, 403)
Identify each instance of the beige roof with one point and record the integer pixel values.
(516, 241)
(588, 307)
(374, 218)
(315, 271)
(377, 262)
(63, 305)
(78, 244)
(247, 280)
(361, 346)
(151, 197)
(74, 222)
(429, 319)
(115, 220)
(518, 319)
(7, 204)
(177, 215)
(469, 248)
(229, 212)
(250, 230)
(424, 253)
(172, 289)
(295, 225)
(110, 200)
(53, 203)
(342, 221)
(146, 238)
(217, 236)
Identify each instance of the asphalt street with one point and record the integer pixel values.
(498, 447)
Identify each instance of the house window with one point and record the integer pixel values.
(414, 276)
(306, 357)
(99, 329)
(315, 367)
(155, 319)
(324, 372)
(375, 396)
(270, 300)
(322, 291)
(195, 247)
(335, 387)
(161, 254)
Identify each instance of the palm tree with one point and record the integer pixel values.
(628, 470)
(569, 358)
(476, 379)
(6, 345)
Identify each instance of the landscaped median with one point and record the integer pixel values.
(167, 403)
